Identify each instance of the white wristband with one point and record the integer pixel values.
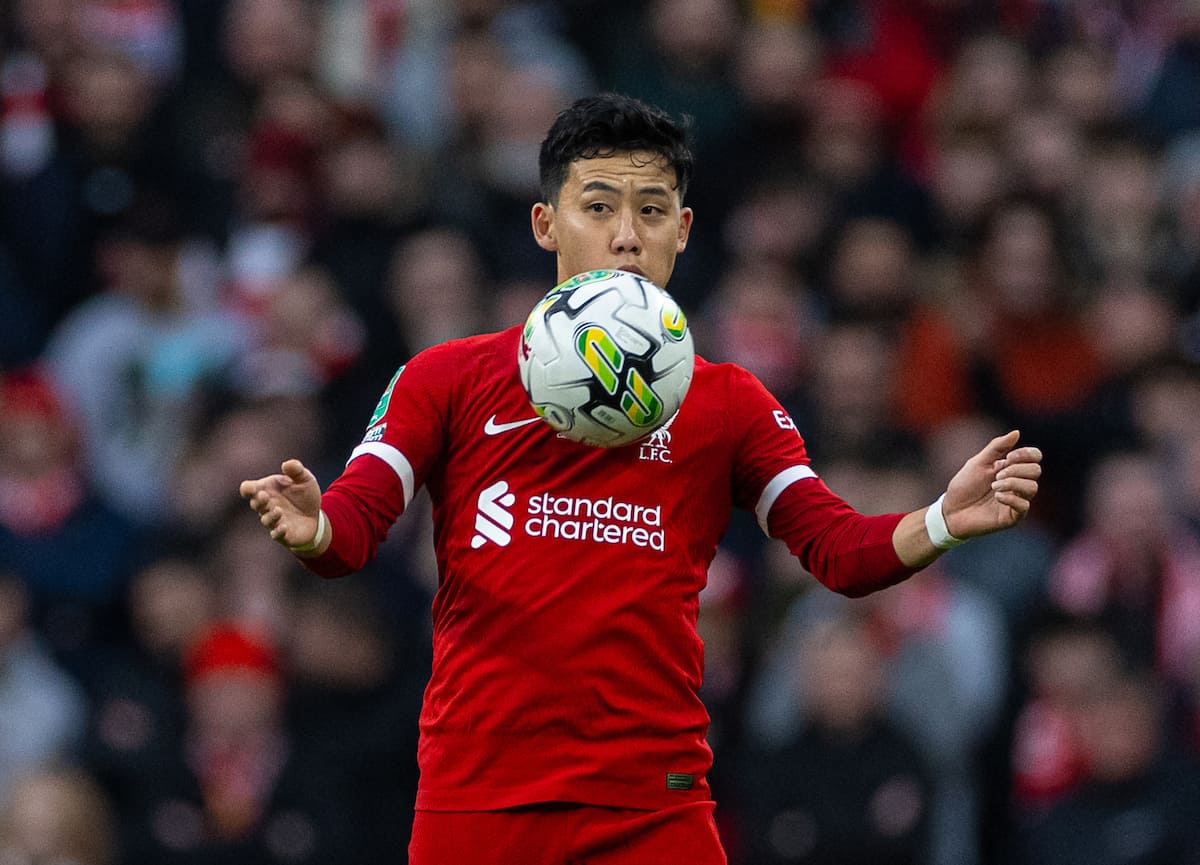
(322, 527)
(935, 524)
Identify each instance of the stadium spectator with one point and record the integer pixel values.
(1119, 207)
(1047, 154)
(254, 591)
(990, 82)
(853, 381)
(392, 56)
(434, 288)
(271, 228)
(357, 673)
(893, 49)
(1079, 81)
(1069, 662)
(1021, 282)
(104, 148)
(781, 220)
(499, 170)
(946, 650)
(135, 688)
(687, 50)
(1164, 407)
(237, 788)
(42, 709)
(849, 786)
(251, 47)
(1188, 475)
(135, 361)
(305, 337)
(51, 520)
(682, 57)
(967, 177)
(1139, 800)
(1136, 567)
(776, 65)
(846, 148)
(872, 272)
(762, 316)
(1132, 329)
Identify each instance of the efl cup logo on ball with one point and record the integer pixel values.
(606, 358)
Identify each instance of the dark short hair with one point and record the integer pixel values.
(611, 123)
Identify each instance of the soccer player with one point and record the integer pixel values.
(562, 723)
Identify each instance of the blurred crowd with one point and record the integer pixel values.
(224, 223)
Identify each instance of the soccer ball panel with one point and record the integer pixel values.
(606, 358)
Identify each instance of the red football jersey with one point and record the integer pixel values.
(566, 661)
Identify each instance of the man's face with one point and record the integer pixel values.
(615, 212)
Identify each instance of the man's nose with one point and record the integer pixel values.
(625, 238)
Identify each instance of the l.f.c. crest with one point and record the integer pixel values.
(657, 448)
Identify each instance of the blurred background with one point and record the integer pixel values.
(224, 224)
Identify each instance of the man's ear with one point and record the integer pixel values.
(685, 229)
(541, 218)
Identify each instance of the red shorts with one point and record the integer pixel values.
(565, 834)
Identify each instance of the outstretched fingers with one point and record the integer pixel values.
(260, 492)
(257, 494)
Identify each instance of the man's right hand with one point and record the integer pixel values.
(288, 504)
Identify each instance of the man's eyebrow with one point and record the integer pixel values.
(603, 186)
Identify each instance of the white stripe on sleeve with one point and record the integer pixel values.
(397, 461)
(774, 487)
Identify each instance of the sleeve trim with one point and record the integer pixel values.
(395, 460)
(774, 488)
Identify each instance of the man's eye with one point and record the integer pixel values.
(597, 207)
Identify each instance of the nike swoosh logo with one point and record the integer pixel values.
(492, 428)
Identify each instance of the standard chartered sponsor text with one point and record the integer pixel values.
(604, 521)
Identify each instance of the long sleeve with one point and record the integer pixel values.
(849, 552)
(361, 506)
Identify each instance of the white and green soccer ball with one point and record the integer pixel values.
(606, 358)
